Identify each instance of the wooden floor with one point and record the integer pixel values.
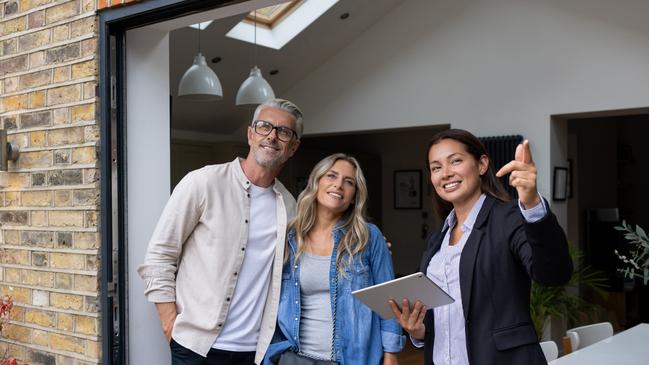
(410, 355)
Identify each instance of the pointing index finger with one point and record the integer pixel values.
(527, 152)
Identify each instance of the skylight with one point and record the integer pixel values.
(202, 26)
(278, 24)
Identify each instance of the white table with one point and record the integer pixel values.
(630, 347)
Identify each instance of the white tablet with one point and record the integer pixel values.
(412, 287)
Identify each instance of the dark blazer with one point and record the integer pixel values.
(500, 256)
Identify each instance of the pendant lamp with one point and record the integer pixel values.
(200, 83)
(255, 89)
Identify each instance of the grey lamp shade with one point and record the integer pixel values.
(199, 82)
(255, 89)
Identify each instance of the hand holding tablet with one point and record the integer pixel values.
(413, 288)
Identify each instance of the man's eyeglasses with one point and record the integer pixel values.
(264, 128)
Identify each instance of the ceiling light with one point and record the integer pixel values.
(255, 89)
(200, 83)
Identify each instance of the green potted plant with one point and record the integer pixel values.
(547, 303)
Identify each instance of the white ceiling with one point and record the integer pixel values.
(305, 53)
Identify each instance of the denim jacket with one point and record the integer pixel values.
(361, 336)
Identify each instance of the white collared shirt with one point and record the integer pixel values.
(449, 347)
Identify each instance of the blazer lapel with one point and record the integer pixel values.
(470, 253)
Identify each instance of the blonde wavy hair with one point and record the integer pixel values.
(352, 221)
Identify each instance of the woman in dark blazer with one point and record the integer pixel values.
(485, 256)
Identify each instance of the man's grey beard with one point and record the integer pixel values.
(270, 163)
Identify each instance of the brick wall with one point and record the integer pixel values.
(49, 199)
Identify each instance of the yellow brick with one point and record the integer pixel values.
(89, 47)
(84, 69)
(91, 175)
(12, 237)
(65, 322)
(18, 180)
(12, 199)
(64, 94)
(89, 90)
(62, 74)
(62, 198)
(17, 314)
(20, 295)
(12, 275)
(37, 198)
(86, 240)
(12, 84)
(91, 219)
(87, 6)
(92, 133)
(66, 219)
(66, 301)
(38, 278)
(30, 4)
(62, 11)
(64, 136)
(68, 261)
(93, 349)
(60, 33)
(40, 317)
(15, 102)
(86, 283)
(86, 325)
(37, 99)
(13, 26)
(40, 338)
(36, 159)
(82, 27)
(84, 155)
(66, 343)
(37, 59)
(82, 112)
(61, 116)
(37, 139)
(17, 257)
(18, 333)
(39, 218)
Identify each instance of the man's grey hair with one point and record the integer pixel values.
(286, 106)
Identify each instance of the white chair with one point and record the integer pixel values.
(550, 350)
(583, 336)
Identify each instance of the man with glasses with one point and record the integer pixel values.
(214, 263)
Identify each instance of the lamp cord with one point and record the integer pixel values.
(255, 35)
(200, 30)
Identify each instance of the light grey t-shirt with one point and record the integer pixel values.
(316, 327)
(241, 329)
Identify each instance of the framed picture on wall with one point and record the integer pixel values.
(407, 189)
(560, 184)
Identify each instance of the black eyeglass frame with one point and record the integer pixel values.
(274, 127)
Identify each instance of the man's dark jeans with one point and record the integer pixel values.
(183, 356)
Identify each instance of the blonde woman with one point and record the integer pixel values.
(332, 250)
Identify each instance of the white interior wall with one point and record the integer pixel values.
(492, 67)
(148, 169)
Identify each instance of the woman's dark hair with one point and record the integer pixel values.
(490, 184)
